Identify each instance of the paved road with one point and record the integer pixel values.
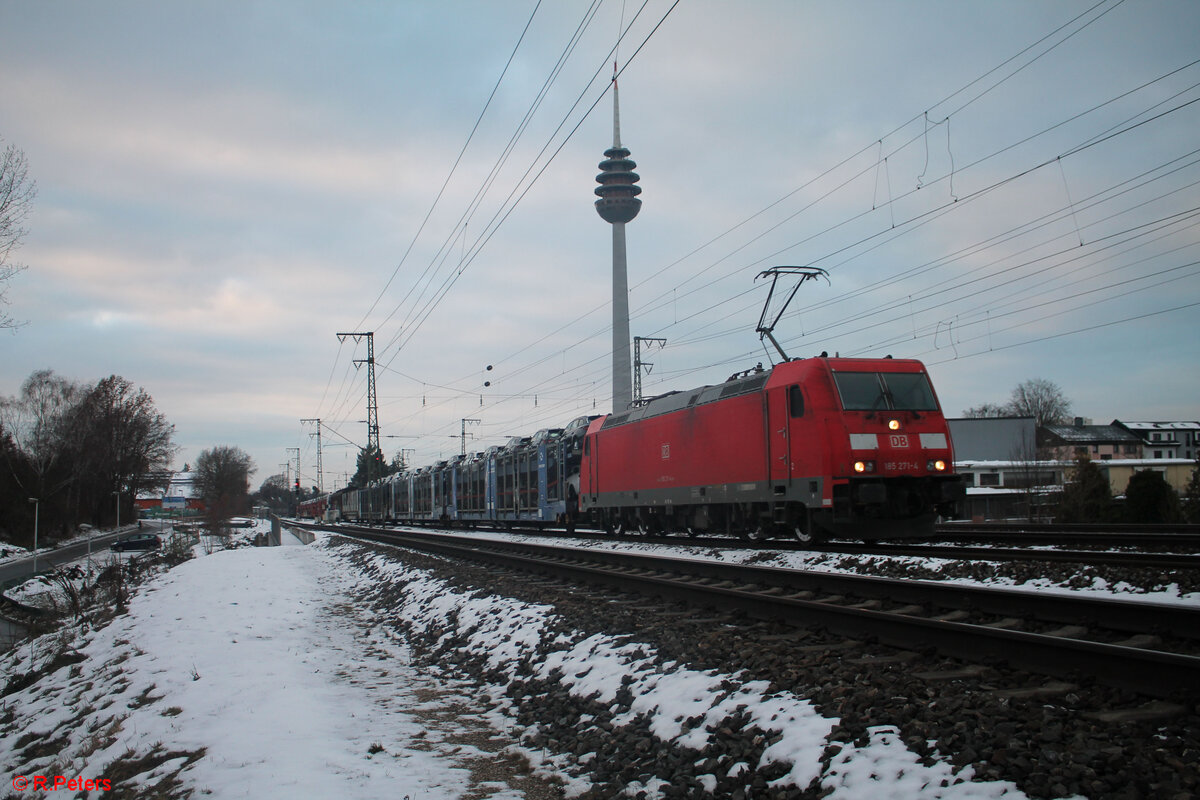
(13, 570)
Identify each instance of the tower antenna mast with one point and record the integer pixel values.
(618, 204)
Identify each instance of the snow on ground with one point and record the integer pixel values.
(252, 672)
(47, 592)
(258, 672)
(684, 706)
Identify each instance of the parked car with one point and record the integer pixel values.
(137, 541)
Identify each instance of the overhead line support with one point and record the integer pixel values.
(373, 465)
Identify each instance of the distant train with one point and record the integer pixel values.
(811, 448)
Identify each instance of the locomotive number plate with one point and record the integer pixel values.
(899, 440)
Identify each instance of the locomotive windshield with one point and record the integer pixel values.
(885, 391)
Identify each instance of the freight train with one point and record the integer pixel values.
(811, 448)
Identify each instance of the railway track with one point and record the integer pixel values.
(1042, 533)
(1115, 558)
(1149, 648)
(1045, 549)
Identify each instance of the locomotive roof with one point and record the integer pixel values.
(753, 380)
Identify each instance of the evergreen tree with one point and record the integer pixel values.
(366, 471)
(1150, 499)
(1087, 497)
(1191, 495)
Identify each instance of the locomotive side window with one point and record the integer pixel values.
(795, 401)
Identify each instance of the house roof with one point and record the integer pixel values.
(1091, 434)
(182, 484)
(1158, 426)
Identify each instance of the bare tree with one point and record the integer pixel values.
(223, 480)
(80, 449)
(124, 445)
(35, 458)
(986, 410)
(1041, 399)
(16, 199)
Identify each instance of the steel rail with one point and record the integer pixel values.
(1052, 533)
(790, 596)
(1138, 559)
(1092, 558)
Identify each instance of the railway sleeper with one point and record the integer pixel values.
(1006, 624)
(1154, 711)
(1068, 632)
(971, 671)
(1145, 641)
(911, 610)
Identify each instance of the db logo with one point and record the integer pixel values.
(899, 440)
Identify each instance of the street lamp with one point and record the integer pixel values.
(36, 507)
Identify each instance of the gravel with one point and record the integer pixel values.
(984, 717)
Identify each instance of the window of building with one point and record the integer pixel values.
(989, 479)
(1024, 479)
(1158, 453)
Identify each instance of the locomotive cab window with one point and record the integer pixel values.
(910, 391)
(795, 401)
(879, 391)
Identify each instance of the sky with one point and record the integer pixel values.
(1004, 190)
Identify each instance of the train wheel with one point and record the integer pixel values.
(761, 532)
(809, 534)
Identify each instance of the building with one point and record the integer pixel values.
(999, 462)
(1176, 472)
(1097, 442)
(993, 438)
(1008, 478)
(179, 499)
(1165, 439)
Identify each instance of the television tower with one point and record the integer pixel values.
(617, 205)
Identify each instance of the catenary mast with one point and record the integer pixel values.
(617, 205)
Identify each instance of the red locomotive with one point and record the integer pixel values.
(810, 448)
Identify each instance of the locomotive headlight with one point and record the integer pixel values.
(936, 465)
(893, 424)
(864, 466)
